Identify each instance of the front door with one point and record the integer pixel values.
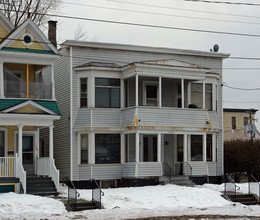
(150, 148)
(28, 155)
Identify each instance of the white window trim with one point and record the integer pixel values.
(79, 91)
(150, 83)
(6, 140)
(79, 148)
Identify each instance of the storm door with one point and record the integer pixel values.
(28, 155)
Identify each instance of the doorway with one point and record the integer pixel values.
(150, 148)
(28, 154)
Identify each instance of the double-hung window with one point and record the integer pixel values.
(197, 95)
(2, 143)
(196, 147)
(107, 148)
(107, 93)
(83, 92)
(83, 148)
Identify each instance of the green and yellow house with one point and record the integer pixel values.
(28, 106)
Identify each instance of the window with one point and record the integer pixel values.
(196, 148)
(2, 143)
(150, 148)
(233, 122)
(83, 92)
(150, 93)
(209, 147)
(107, 93)
(180, 148)
(83, 148)
(107, 148)
(245, 121)
(197, 95)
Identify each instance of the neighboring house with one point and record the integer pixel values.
(131, 113)
(238, 125)
(27, 105)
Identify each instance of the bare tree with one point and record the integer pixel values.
(19, 10)
(80, 33)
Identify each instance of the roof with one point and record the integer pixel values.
(102, 45)
(99, 64)
(8, 103)
(240, 110)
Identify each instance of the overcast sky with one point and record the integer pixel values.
(181, 14)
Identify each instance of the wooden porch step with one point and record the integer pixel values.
(42, 186)
(9, 180)
(80, 206)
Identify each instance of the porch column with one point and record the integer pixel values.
(1, 80)
(159, 147)
(204, 147)
(51, 142)
(122, 148)
(160, 92)
(122, 94)
(136, 89)
(214, 146)
(20, 142)
(182, 93)
(52, 83)
(137, 147)
(185, 148)
(203, 95)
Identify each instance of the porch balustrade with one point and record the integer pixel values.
(7, 166)
(34, 90)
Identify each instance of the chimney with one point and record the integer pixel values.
(52, 32)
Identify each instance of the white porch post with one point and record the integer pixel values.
(52, 83)
(122, 148)
(203, 95)
(159, 147)
(1, 80)
(185, 148)
(136, 89)
(137, 147)
(160, 92)
(51, 142)
(20, 142)
(214, 146)
(122, 94)
(182, 93)
(204, 147)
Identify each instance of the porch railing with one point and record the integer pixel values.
(231, 187)
(167, 171)
(72, 194)
(35, 90)
(253, 186)
(21, 174)
(7, 166)
(46, 167)
(97, 193)
(187, 169)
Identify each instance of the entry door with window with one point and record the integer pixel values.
(150, 148)
(28, 155)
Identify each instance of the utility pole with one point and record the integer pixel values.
(251, 126)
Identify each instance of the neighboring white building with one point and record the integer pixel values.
(130, 113)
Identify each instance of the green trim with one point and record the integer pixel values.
(8, 103)
(28, 50)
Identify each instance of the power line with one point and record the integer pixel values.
(241, 101)
(149, 25)
(163, 14)
(237, 88)
(226, 2)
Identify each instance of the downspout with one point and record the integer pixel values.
(27, 81)
(71, 149)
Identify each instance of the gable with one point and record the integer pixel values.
(3, 31)
(6, 26)
(28, 36)
(28, 109)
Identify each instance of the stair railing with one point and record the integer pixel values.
(97, 193)
(188, 169)
(253, 186)
(231, 187)
(55, 174)
(21, 174)
(167, 171)
(72, 192)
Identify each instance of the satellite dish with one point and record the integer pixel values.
(215, 48)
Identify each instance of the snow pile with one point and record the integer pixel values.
(133, 202)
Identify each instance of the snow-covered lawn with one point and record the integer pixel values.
(130, 203)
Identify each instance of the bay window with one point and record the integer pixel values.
(197, 95)
(83, 148)
(83, 92)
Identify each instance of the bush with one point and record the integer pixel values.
(242, 156)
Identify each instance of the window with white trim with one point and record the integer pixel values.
(83, 148)
(107, 93)
(197, 95)
(84, 92)
(151, 93)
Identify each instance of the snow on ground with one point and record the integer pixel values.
(130, 203)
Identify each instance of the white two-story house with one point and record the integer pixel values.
(132, 114)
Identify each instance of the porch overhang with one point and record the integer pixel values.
(27, 119)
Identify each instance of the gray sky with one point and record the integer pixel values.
(182, 14)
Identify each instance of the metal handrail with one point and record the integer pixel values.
(250, 190)
(72, 192)
(169, 175)
(97, 193)
(236, 187)
(190, 169)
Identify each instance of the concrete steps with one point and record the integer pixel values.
(246, 199)
(42, 186)
(178, 180)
